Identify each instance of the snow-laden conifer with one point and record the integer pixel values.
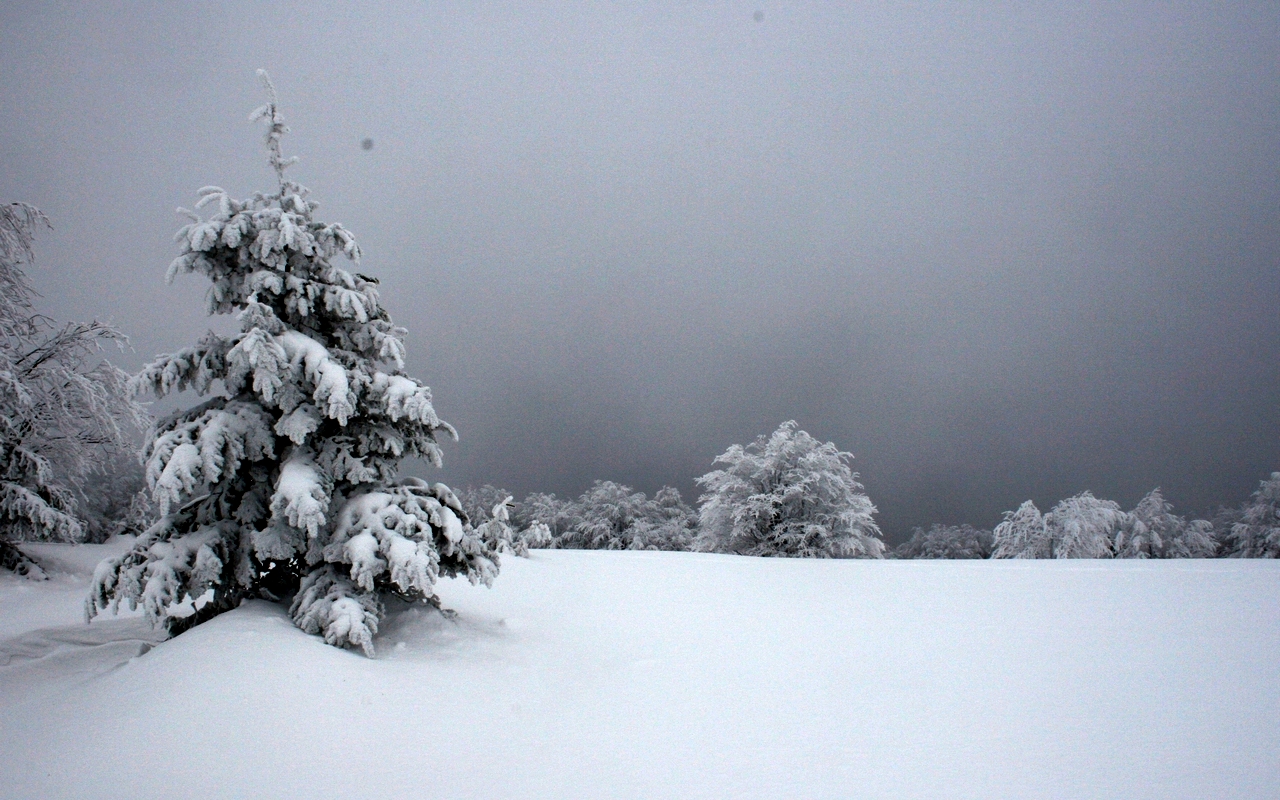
(497, 533)
(284, 482)
(1257, 533)
(64, 412)
(787, 495)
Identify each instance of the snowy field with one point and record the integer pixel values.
(652, 675)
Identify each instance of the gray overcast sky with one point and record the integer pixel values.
(998, 254)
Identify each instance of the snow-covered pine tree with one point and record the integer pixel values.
(1022, 534)
(1257, 534)
(787, 495)
(64, 412)
(285, 482)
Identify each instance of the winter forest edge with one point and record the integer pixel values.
(283, 482)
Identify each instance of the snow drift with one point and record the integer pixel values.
(681, 675)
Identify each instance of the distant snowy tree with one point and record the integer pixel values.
(1148, 528)
(1194, 539)
(1083, 526)
(946, 541)
(478, 503)
(665, 522)
(491, 510)
(116, 501)
(611, 516)
(284, 482)
(1078, 527)
(536, 536)
(1022, 534)
(496, 531)
(787, 495)
(1257, 534)
(1223, 521)
(64, 413)
(557, 516)
(607, 513)
(1152, 530)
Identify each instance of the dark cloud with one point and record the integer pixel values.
(997, 254)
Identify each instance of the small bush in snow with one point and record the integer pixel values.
(284, 482)
(65, 414)
(787, 495)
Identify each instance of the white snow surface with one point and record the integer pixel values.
(587, 674)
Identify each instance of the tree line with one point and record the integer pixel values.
(611, 516)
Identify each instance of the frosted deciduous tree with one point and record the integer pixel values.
(947, 541)
(609, 516)
(1078, 527)
(479, 503)
(1022, 534)
(1152, 530)
(1257, 533)
(607, 513)
(787, 495)
(665, 522)
(284, 482)
(1148, 528)
(557, 516)
(1083, 526)
(1194, 539)
(64, 412)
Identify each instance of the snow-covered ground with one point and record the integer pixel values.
(651, 675)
